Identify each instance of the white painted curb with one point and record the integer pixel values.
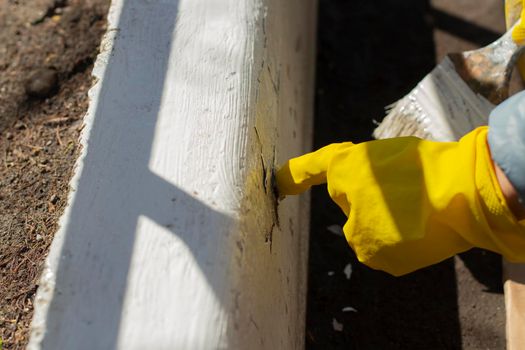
(171, 239)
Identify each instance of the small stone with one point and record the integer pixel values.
(349, 309)
(42, 83)
(338, 327)
(39, 237)
(54, 199)
(348, 271)
(331, 273)
(336, 230)
(72, 14)
(9, 136)
(19, 125)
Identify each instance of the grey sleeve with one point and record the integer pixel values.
(506, 139)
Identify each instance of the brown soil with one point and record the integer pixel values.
(370, 54)
(47, 49)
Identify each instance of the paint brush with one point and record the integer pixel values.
(456, 96)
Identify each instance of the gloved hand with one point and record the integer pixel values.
(411, 203)
(518, 33)
(507, 140)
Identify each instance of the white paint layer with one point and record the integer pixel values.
(171, 238)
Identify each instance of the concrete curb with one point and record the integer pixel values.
(172, 237)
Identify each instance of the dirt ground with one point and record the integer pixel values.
(47, 49)
(370, 54)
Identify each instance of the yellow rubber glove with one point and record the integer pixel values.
(412, 203)
(514, 11)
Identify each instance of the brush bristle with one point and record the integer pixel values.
(441, 107)
(402, 120)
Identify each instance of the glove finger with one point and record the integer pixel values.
(299, 174)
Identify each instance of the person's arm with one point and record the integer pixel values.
(410, 202)
(299, 174)
(510, 194)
